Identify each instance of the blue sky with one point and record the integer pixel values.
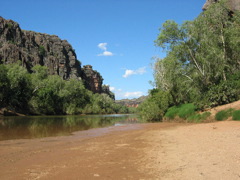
(115, 36)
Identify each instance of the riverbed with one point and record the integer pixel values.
(128, 151)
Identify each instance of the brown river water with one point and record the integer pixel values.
(30, 127)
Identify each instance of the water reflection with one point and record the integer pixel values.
(45, 126)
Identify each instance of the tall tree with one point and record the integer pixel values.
(200, 53)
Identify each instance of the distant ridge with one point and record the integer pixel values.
(132, 102)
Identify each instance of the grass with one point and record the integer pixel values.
(183, 111)
(236, 115)
(223, 115)
(172, 112)
(197, 118)
(186, 110)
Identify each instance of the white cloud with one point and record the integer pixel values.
(120, 94)
(115, 90)
(106, 53)
(103, 46)
(129, 72)
(133, 94)
(112, 88)
(141, 70)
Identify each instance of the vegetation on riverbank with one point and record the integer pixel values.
(40, 93)
(201, 68)
(228, 113)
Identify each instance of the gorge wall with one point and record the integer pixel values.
(233, 5)
(32, 48)
(132, 102)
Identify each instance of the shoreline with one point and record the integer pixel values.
(138, 151)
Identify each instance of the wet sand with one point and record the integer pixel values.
(139, 151)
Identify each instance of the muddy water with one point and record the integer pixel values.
(46, 126)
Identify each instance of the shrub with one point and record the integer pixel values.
(4, 86)
(205, 115)
(198, 117)
(183, 111)
(223, 115)
(172, 112)
(20, 87)
(41, 50)
(236, 115)
(186, 110)
(9, 25)
(150, 111)
(73, 109)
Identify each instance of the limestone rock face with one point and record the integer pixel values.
(92, 79)
(106, 90)
(33, 48)
(234, 5)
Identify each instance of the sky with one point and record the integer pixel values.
(116, 37)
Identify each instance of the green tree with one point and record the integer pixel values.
(4, 86)
(150, 111)
(156, 105)
(74, 95)
(200, 55)
(46, 99)
(20, 87)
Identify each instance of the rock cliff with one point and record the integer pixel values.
(234, 5)
(33, 48)
(92, 79)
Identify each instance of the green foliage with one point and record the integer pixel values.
(162, 98)
(41, 50)
(223, 115)
(202, 62)
(20, 87)
(150, 111)
(154, 107)
(9, 25)
(104, 104)
(131, 110)
(11, 42)
(47, 96)
(186, 110)
(183, 111)
(39, 72)
(74, 96)
(172, 112)
(197, 118)
(236, 115)
(224, 92)
(4, 86)
(40, 93)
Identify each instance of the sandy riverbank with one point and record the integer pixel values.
(141, 151)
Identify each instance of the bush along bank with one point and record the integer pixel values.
(201, 68)
(39, 93)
